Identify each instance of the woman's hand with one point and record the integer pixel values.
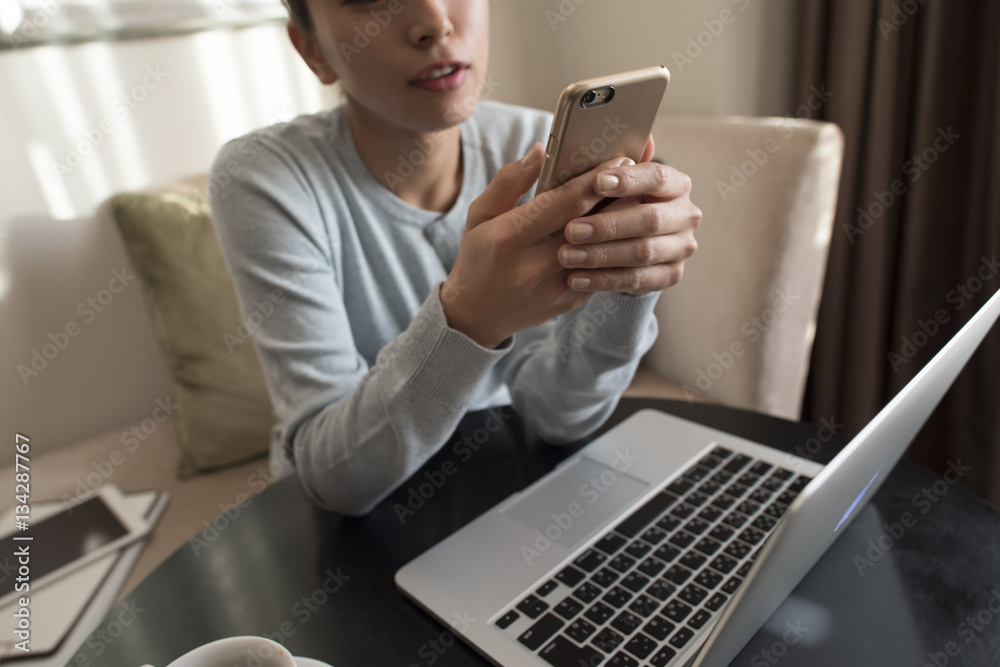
(637, 244)
(507, 276)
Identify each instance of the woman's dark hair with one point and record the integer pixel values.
(299, 12)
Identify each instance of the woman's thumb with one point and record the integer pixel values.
(507, 187)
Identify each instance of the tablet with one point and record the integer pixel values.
(65, 612)
(101, 523)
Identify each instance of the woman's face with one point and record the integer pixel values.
(416, 64)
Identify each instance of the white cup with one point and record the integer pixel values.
(237, 652)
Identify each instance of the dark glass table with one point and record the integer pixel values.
(915, 580)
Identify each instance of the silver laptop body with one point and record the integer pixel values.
(545, 578)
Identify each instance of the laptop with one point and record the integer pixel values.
(663, 542)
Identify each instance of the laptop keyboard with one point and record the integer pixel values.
(661, 577)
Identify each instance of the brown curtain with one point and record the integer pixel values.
(915, 89)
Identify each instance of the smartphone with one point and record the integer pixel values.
(599, 119)
(70, 538)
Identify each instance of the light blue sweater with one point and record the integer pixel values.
(366, 378)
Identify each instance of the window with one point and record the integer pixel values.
(25, 23)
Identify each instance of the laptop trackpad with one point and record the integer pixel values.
(575, 501)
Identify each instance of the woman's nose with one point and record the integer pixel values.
(431, 22)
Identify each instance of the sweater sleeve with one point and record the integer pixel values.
(356, 430)
(566, 377)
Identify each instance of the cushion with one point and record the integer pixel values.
(224, 413)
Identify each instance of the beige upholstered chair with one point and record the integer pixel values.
(739, 327)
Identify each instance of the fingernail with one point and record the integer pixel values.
(579, 282)
(579, 231)
(606, 183)
(531, 157)
(573, 256)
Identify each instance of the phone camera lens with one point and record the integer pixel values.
(589, 97)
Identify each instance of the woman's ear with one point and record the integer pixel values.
(308, 47)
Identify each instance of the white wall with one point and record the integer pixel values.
(136, 112)
(742, 62)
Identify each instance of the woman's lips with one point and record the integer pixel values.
(441, 77)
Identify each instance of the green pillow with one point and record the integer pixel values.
(225, 414)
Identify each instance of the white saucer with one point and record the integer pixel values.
(299, 662)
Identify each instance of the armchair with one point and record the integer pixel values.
(738, 329)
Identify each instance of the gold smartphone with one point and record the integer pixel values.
(599, 119)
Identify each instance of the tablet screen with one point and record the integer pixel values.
(61, 539)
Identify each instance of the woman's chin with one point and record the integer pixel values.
(449, 109)
(444, 117)
(422, 114)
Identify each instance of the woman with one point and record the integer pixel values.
(410, 286)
